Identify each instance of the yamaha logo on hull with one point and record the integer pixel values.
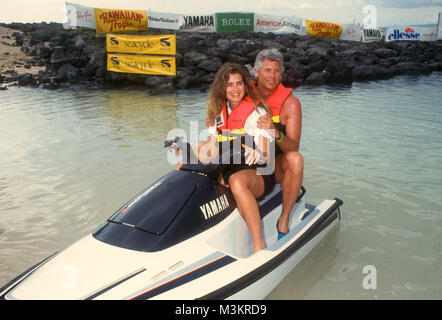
(213, 207)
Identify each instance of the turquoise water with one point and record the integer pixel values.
(69, 159)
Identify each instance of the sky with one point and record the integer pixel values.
(387, 12)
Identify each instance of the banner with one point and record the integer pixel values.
(369, 35)
(439, 27)
(323, 29)
(351, 32)
(233, 21)
(133, 63)
(115, 20)
(411, 34)
(161, 20)
(152, 44)
(198, 23)
(79, 16)
(277, 24)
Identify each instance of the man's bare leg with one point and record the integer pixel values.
(289, 172)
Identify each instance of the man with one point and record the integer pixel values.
(286, 121)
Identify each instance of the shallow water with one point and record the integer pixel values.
(69, 159)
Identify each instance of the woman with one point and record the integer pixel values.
(235, 105)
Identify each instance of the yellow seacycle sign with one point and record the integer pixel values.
(152, 44)
(133, 63)
(115, 20)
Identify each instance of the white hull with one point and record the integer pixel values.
(215, 264)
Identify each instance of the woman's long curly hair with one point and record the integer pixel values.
(217, 94)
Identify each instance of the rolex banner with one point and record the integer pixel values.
(322, 29)
(133, 63)
(151, 44)
(233, 22)
(115, 20)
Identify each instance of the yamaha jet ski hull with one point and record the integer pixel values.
(182, 237)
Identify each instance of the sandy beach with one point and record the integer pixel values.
(11, 56)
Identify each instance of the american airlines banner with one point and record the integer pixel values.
(79, 16)
(141, 64)
(323, 29)
(161, 20)
(351, 32)
(116, 20)
(150, 44)
(277, 24)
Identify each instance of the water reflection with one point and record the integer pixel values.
(306, 275)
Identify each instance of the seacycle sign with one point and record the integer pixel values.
(234, 21)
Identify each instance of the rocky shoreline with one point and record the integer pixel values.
(77, 58)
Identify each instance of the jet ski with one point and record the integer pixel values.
(181, 237)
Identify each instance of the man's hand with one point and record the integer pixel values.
(265, 122)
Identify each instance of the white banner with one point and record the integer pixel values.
(277, 24)
(411, 33)
(79, 16)
(369, 35)
(428, 33)
(439, 27)
(203, 23)
(351, 32)
(161, 20)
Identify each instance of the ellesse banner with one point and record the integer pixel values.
(152, 44)
(114, 20)
(133, 63)
(323, 29)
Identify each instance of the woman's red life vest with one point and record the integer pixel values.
(237, 118)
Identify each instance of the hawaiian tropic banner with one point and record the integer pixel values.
(147, 44)
(115, 20)
(323, 29)
(133, 63)
(233, 21)
(277, 24)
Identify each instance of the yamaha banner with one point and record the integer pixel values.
(370, 35)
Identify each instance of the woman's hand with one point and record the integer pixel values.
(208, 151)
(252, 155)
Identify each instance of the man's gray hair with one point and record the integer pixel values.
(269, 54)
